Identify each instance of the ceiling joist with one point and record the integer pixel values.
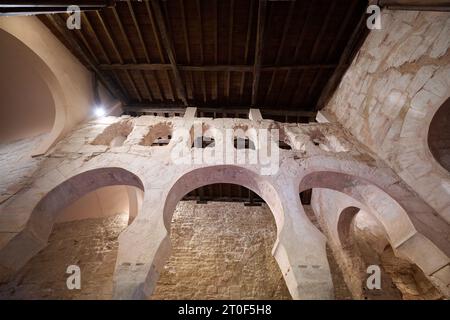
(167, 43)
(213, 53)
(262, 13)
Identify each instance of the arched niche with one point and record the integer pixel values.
(52, 99)
(439, 135)
(34, 236)
(221, 250)
(27, 105)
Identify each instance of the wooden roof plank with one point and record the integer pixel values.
(247, 47)
(262, 13)
(60, 25)
(85, 20)
(342, 65)
(185, 32)
(330, 12)
(230, 47)
(166, 41)
(286, 26)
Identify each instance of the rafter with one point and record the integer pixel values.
(179, 108)
(130, 47)
(14, 8)
(144, 47)
(213, 68)
(330, 12)
(216, 48)
(299, 82)
(185, 32)
(85, 21)
(138, 30)
(262, 13)
(168, 47)
(158, 45)
(202, 55)
(342, 28)
(247, 45)
(344, 60)
(166, 17)
(230, 47)
(60, 25)
(303, 30)
(88, 47)
(188, 75)
(199, 15)
(287, 24)
(117, 52)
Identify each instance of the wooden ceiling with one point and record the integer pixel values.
(222, 56)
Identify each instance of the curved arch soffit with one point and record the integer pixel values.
(50, 79)
(45, 212)
(231, 174)
(344, 224)
(389, 212)
(439, 109)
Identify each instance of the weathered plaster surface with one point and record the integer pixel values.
(322, 156)
(359, 240)
(387, 99)
(70, 83)
(221, 251)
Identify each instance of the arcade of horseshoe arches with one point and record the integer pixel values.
(167, 161)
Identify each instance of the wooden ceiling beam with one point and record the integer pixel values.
(247, 46)
(60, 25)
(344, 61)
(57, 3)
(20, 8)
(144, 47)
(215, 95)
(166, 17)
(124, 34)
(158, 45)
(294, 92)
(108, 35)
(215, 68)
(188, 76)
(85, 19)
(330, 12)
(185, 32)
(342, 28)
(117, 52)
(167, 43)
(179, 108)
(262, 13)
(286, 26)
(138, 30)
(303, 29)
(199, 15)
(283, 86)
(230, 48)
(202, 54)
(155, 32)
(131, 50)
(416, 5)
(88, 46)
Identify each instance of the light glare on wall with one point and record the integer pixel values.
(99, 111)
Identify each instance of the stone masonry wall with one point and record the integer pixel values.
(322, 155)
(366, 244)
(396, 83)
(91, 244)
(220, 251)
(17, 166)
